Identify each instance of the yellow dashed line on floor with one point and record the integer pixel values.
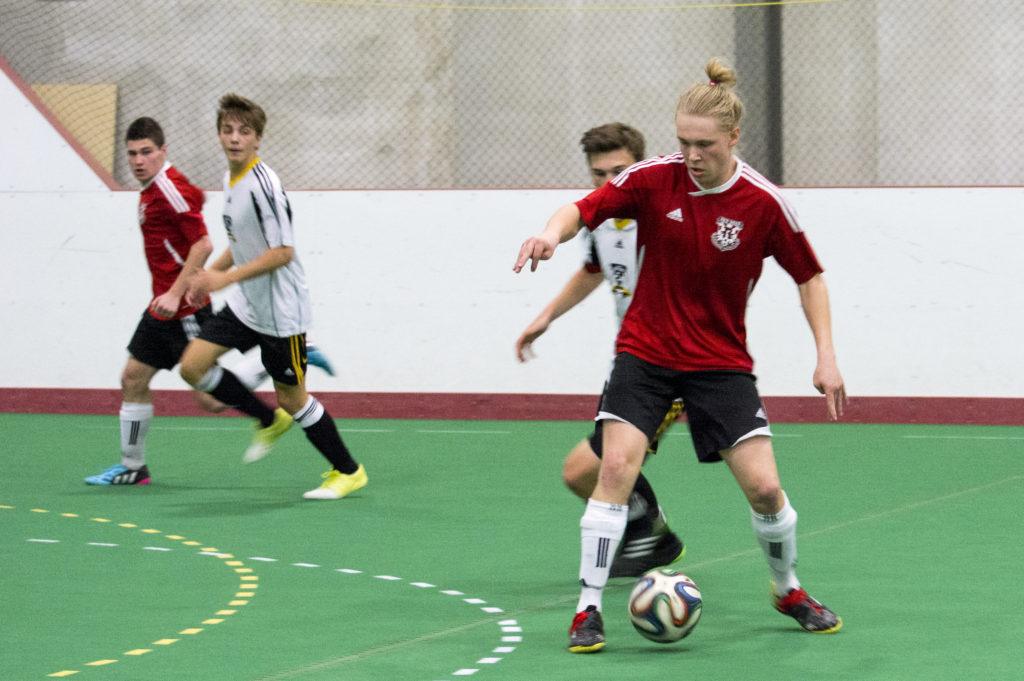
(237, 565)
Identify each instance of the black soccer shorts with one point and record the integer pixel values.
(161, 342)
(722, 407)
(284, 358)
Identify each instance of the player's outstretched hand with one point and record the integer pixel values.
(829, 383)
(524, 344)
(534, 249)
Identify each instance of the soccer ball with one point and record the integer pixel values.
(665, 605)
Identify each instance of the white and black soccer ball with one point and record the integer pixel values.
(665, 605)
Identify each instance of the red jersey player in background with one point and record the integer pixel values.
(176, 246)
(706, 222)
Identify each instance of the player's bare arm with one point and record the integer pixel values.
(223, 262)
(211, 280)
(827, 379)
(562, 226)
(166, 305)
(579, 286)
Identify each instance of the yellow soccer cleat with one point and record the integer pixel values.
(337, 485)
(265, 438)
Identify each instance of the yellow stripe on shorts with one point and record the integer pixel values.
(670, 417)
(296, 351)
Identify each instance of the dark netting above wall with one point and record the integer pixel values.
(495, 93)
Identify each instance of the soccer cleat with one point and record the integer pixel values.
(812, 615)
(264, 438)
(337, 484)
(637, 556)
(316, 357)
(119, 474)
(586, 635)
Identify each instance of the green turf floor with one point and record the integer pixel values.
(913, 534)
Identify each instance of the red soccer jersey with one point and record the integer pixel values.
(701, 252)
(170, 215)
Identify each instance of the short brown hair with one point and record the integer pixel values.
(612, 136)
(145, 128)
(242, 109)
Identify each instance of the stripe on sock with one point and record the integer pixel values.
(602, 552)
(310, 413)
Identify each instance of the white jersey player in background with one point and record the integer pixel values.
(269, 308)
(610, 255)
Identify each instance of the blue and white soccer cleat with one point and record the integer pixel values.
(316, 357)
(120, 475)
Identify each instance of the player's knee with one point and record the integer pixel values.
(291, 402)
(189, 371)
(580, 478)
(133, 380)
(571, 479)
(201, 376)
(766, 496)
(619, 468)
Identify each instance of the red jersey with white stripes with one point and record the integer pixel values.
(170, 215)
(701, 252)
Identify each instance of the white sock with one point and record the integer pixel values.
(310, 414)
(135, 418)
(250, 370)
(601, 529)
(777, 536)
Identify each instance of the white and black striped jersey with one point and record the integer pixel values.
(258, 217)
(611, 250)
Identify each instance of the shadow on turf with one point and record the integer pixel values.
(219, 509)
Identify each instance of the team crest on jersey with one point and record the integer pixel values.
(727, 238)
(142, 213)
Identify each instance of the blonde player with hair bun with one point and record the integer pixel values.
(706, 221)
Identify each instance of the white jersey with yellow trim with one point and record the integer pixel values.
(258, 217)
(611, 250)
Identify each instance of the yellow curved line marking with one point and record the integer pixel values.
(191, 631)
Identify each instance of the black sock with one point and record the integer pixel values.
(325, 437)
(642, 495)
(233, 393)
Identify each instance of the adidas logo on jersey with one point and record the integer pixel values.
(676, 215)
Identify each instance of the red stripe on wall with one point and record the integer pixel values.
(516, 406)
(45, 112)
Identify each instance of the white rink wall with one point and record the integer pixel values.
(414, 291)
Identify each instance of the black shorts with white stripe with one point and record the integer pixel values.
(160, 342)
(722, 407)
